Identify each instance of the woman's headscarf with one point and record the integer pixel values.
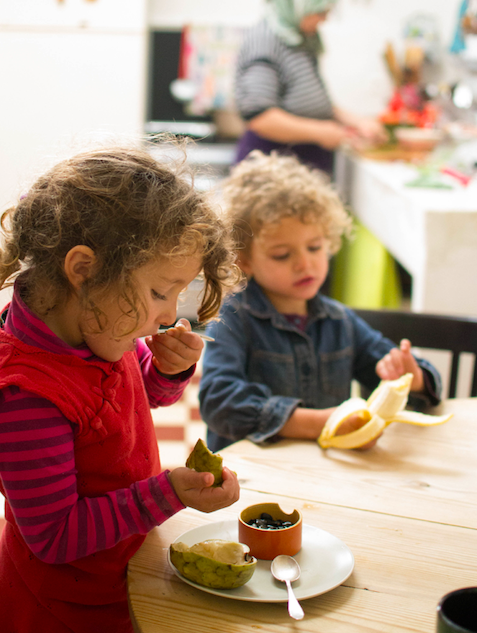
(284, 17)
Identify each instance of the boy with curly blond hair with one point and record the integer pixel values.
(284, 355)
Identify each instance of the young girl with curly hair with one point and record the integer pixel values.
(284, 354)
(99, 249)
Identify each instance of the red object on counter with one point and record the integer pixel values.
(402, 110)
(464, 179)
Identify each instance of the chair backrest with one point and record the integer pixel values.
(432, 331)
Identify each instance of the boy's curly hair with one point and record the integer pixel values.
(129, 209)
(264, 189)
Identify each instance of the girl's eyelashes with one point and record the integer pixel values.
(157, 295)
(280, 257)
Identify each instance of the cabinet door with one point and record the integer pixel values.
(105, 14)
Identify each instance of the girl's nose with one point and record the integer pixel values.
(167, 316)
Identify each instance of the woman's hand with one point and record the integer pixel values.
(195, 491)
(330, 134)
(400, 361)
(370, 130)
(365, 130)
(175, 350)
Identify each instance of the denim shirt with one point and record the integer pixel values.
(261, 366)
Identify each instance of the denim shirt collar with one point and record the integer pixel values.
(258, 304)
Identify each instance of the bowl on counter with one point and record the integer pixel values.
(268, 542)
(418, 138)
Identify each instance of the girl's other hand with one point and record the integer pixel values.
(195, 491)
(400, 361)
(175, 350)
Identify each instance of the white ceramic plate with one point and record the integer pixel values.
(325, 562)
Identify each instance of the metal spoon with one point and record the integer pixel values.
(286, 569)
(203, 336)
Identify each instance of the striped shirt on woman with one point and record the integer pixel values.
(271, 74)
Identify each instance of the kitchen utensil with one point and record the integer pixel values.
(287, 570)
(203, 336)
(392, 64)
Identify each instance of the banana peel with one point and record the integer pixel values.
(385, 405)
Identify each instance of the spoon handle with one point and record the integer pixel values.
(294, 608)
(203, 336)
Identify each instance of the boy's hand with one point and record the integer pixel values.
(175, 350)
(398, 362)
(353, 423)
(194, 489)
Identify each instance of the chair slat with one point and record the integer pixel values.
(453, 377)
(473, 392)
(431, 331)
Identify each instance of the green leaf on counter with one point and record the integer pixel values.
(428, 180)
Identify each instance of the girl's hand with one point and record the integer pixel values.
(398, 362)
(194, 489)
(175, 350)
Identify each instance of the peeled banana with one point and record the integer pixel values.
(385, 405)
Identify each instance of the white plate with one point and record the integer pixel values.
(325, 563)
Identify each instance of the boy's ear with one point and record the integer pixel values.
(243, 262)
(79, 262)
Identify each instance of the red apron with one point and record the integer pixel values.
(115, 446)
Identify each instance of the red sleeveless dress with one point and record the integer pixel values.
(115, 446)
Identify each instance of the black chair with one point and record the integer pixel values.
(431, 331)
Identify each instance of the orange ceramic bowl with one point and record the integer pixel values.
(266, 544)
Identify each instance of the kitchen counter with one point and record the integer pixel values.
(432, 233)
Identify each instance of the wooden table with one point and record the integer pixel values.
(407, 509)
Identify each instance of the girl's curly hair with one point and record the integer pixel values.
(129, 209)
(264, 189)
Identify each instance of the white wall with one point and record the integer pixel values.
(75, 70)
(70, 73)
(355, 36)
(176, 13)
(106, 14)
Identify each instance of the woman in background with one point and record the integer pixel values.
(281, 95)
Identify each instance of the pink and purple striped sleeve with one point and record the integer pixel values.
(161, 390)
(37, 470)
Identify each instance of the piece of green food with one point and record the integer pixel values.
(215, 563)
(204, 461)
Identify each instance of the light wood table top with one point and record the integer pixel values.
(407, 509)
